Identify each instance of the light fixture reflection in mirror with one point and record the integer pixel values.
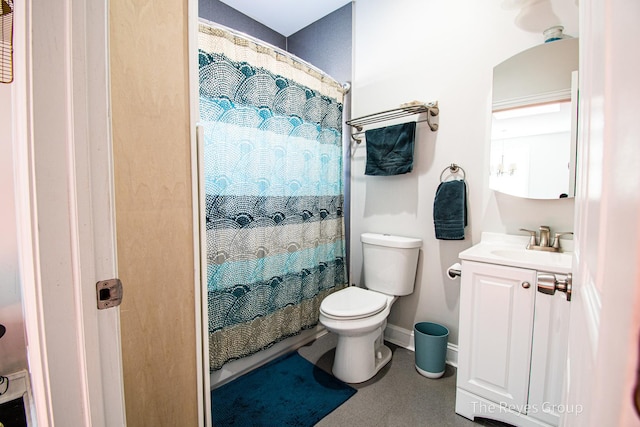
(531, 151)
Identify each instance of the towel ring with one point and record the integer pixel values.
(453, 168)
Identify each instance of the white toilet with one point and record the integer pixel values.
(358, 316)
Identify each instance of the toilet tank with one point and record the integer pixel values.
(390, 263)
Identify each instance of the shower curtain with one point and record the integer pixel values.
(274, 192)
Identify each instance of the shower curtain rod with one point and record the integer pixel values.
(346, 87)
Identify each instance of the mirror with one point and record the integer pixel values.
(533, 150)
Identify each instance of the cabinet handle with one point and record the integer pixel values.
(526, 285)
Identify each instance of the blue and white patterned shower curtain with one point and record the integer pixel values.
(274, 192)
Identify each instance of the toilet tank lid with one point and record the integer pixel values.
(390, 241)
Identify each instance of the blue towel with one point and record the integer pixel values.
(450, 210)
(390, 149)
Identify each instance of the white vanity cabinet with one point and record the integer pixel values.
(512, 346)
(496, 327)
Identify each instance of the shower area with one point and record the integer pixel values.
(273, 157)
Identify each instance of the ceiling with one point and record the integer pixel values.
(286, 16)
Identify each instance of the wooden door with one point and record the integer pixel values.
(602, 366)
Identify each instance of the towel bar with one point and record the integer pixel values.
(404, 110)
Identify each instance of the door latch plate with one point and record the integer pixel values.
(109, 293)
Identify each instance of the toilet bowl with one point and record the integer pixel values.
(360, 351)
(359, 316)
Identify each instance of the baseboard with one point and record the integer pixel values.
(404, 338)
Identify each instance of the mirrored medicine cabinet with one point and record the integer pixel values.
(533, 131)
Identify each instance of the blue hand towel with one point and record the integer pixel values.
(390, 149)
(450, 210)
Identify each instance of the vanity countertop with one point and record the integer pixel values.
(510, 250)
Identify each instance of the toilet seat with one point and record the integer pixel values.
(353, 303)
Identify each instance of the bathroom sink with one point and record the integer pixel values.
(509, 250)
(554, 259)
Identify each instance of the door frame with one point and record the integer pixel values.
(65, 211)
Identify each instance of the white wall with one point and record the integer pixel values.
(13, 354)
(436, 50)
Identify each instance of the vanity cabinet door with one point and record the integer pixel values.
(549, 357)
(496, 324)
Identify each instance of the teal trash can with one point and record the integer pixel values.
(431, 348)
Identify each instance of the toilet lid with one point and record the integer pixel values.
(353, 303)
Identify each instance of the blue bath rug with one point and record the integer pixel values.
(289, 391)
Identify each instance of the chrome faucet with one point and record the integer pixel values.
(544, 236)
(544, 243)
